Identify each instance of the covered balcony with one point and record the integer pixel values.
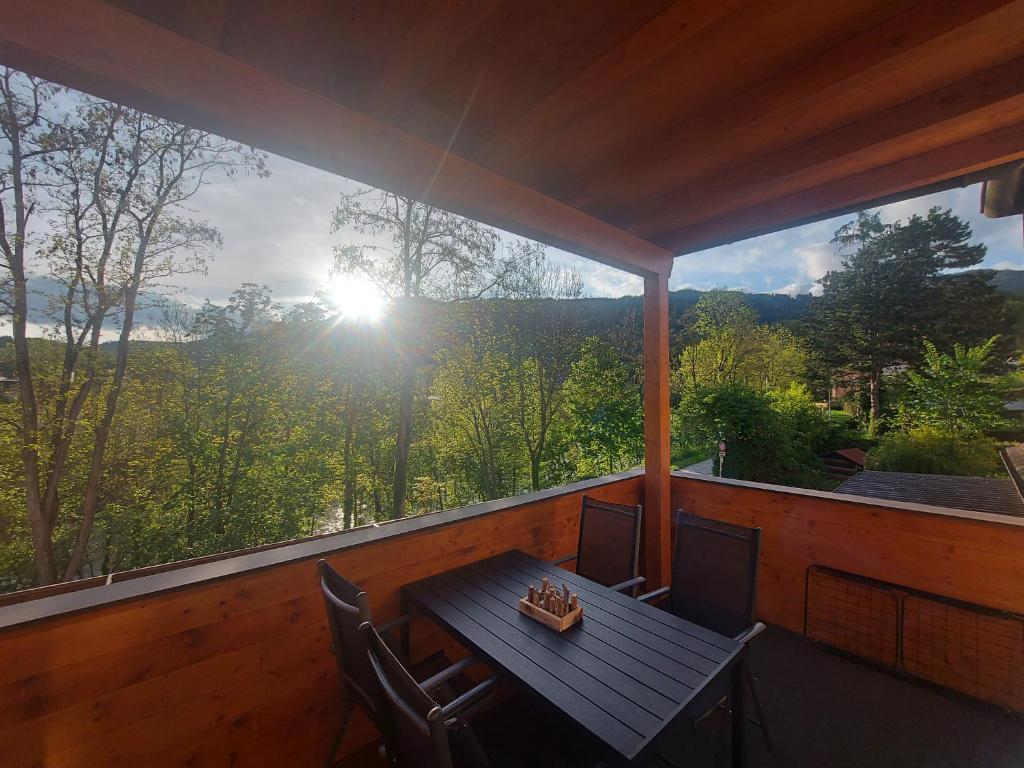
(629, 133)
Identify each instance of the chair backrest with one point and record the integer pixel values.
(411, 722)
(609, 547)
(347, 608)
(714, 573)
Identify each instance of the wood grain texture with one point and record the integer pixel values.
(657, 541)
(237, 671)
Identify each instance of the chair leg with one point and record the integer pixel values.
(725, 721)
(760, 721)
(346, 717)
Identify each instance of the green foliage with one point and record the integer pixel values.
(771, 437)
(728, 346)
(605, 411)
(933, 451)
(951, 393)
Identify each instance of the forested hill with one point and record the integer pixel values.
(621, 319)
(770, 307)
(1008, 281)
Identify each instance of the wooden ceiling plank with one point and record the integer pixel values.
(973, 106)
(908, 56)
(523, 52)
(440, 30)
(627, 127)
(92, 45)
(671, 28)
(1000, 146)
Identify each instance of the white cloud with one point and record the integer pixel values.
(799, 289)
(816, 259)
(1006, 265)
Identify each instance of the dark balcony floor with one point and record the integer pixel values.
(831, 711)
(823, 710)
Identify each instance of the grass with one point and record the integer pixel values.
(684, 457)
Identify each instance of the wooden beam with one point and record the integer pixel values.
(1000, 146)
(657, 443)
(90, 45)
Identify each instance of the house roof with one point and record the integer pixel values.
(856, 455)
(1013, 460)
(995, 495)
(628, 132)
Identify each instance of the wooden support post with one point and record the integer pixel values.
(657, 450)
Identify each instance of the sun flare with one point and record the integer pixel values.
(357, 298)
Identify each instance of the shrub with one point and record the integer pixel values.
(933, 451)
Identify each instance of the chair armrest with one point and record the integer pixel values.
(634, 582)
(436, 681)
(564, 560)
(655, 595)
(470, 697)
(387, 626)
(749, 634)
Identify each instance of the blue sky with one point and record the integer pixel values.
(277, 232)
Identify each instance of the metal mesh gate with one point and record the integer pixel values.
(969, 648)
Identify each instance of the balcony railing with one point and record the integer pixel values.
(226, 661)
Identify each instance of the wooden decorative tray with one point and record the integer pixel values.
(551, 607)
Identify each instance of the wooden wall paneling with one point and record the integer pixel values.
(64, 728)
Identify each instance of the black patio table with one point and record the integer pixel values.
(627, 673)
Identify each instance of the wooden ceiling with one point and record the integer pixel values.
(682, 124)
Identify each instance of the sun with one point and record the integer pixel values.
(357, 298)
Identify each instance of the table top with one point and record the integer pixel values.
(625, 672)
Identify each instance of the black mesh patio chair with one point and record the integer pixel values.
(418, 731)
(714, 584)
(348, 607)
(609, 545)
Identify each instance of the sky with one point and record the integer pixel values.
(277, 232)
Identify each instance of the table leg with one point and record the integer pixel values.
(739, 715)
(403, 631)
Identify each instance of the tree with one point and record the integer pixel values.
(472, 420)
(951, 393)
(541, 341)
(728, 345)
(604, 405)
(433, 254)
(892, 290)
(111, 183)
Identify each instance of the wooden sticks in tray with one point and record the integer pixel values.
(558, 609)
